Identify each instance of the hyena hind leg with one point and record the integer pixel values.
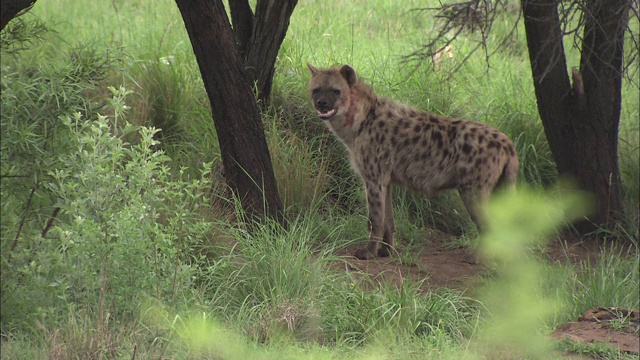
(474, 201)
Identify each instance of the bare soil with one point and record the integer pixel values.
(614, 326)
(440, 265)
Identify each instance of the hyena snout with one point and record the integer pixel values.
(322, 104)
(325, 107)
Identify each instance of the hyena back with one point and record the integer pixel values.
(390, 143)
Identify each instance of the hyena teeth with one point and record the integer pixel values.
(390, 143)
(326, 115)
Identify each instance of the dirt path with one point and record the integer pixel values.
(438, 265)
(444, 266)
(618, 327)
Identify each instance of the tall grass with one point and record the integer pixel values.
(279, 285)
(612, 278)
(301, 174)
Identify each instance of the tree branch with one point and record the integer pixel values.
(242, 20)
(22, 221)
(473, 16)
(270, 27)
(50, 222)
(549, 70)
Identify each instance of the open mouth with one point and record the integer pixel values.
(325, 115)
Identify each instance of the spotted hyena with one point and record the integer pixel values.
(390, 143)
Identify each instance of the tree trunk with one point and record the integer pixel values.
(601, 68)
(245, 155)
(13, 8)
(581, 120)
(259, 38)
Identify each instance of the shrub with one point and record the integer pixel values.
(124, 230)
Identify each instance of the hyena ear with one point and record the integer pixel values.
(312, 69)
(349, 74)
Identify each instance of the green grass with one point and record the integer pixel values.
(271, 292)
(595, 351)
(613, 279)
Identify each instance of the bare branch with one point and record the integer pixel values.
(630, 71)
(50, 222)
(22, 221)
(478, 16)
(473, 17)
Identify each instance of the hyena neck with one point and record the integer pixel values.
(361, 100)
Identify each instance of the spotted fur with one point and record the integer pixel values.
(390, 143)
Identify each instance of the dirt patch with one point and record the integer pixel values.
(439, 265)
(435, 266)
(617, 327)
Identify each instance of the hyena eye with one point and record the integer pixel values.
(336, 91)
(315, 91)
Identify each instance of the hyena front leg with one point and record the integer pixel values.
(389, 226)
(376, 198)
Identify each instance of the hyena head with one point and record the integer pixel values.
(330, 90)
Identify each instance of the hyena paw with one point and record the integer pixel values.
(385, 250)
(364, 254)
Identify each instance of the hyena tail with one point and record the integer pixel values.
(509, 175)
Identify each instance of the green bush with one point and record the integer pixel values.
(34, 100)
(124, 232)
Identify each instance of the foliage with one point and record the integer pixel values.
(125, 232)
(34, 100)
(516, 305)
(300, 172)
(20, 32)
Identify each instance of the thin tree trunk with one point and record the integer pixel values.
(242, 19)
(599, 106)
(581, 119)
(267, 30)
(245, 155)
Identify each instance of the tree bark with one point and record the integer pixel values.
(600, 106)
(550, 78)
(13, 8)
(243, 146)
(581, 119)
(260, 38)
(242, 20)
